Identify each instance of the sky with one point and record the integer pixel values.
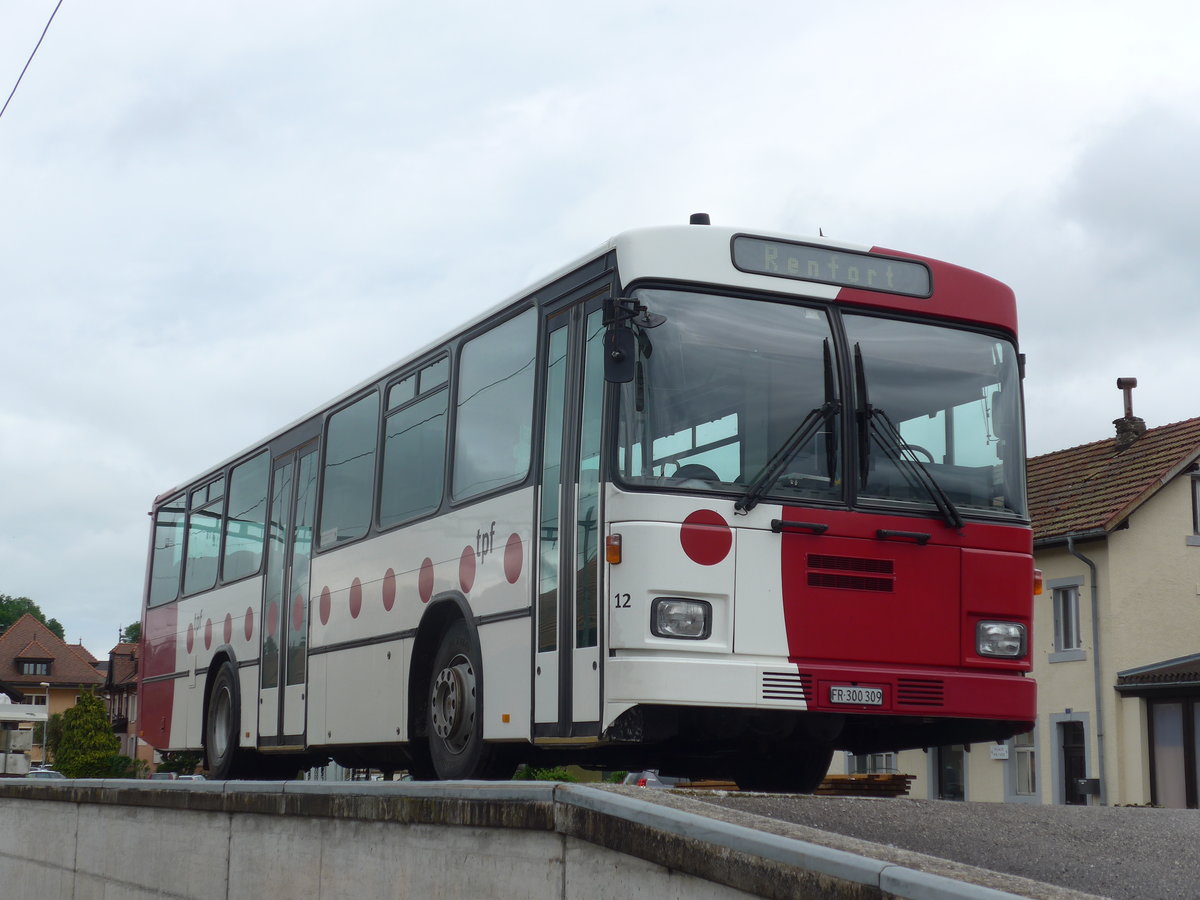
(215, 217)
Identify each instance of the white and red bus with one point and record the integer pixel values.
(708, 500)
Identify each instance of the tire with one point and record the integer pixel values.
(222, 724)
(801, 773)
(454, 714)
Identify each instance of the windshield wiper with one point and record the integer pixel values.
(875, 423)
(823, 414)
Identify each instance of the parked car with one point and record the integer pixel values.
(164, 776)
(651, 778)
(44, 773)
(191, 778)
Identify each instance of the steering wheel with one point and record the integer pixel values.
(917, 449)
(696, 470)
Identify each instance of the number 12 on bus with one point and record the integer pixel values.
(709, 501)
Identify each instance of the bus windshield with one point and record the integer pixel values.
(721, 386)
(947, 401)
(744, 396)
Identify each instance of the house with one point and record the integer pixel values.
(48, 671)
(120, 688)
(1116, 634)
(1117, 631)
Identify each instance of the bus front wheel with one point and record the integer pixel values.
(454, 714)
(222, 723)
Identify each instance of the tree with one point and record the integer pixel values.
(87, 744)
(183, 761)
(12, 608)
(131, 634)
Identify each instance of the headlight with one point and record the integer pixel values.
(674, 617)
(1004, 639)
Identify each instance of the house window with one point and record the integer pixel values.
(1174, 758)
(1066, 618)
(1025, 764)
(1194, 538)
(29, 667)
(872, 763)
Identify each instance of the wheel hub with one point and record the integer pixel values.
(453, 703)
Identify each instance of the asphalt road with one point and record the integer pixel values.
(1116, 852)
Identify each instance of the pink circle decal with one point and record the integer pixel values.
(706, 537)
(208, 634)
(272, 618)
(514, 556)
(355, 598)
(389, 589)
(228, 628)
(466, 569)
(191, 638)
(326, 605)
(297, 613)
(425, 580)
(249, 624)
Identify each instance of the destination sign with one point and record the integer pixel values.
(807, 262)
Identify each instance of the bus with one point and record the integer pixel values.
(712, 501)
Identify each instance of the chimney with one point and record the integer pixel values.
(1129, 426)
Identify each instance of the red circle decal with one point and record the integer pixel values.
(466, 569)
(326, 605)
(706, 537)
(272, 618)
(514, 557)
(228, 627)
(208, 634)
(355, 598)
(425, 580)
(389, 589)
(297, 613)
(249, 624)
(191, 638)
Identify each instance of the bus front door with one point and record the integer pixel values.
(285, 613)
(567, 614)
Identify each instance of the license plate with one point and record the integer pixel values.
(857, 696)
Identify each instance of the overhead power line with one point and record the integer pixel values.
(31, 56)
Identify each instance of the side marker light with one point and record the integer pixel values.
(612, 549)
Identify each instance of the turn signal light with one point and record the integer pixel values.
(612, 549)
(1037, 582)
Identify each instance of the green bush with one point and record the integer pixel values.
(87, 744)
(558, 773)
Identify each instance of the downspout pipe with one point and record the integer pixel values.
(1096, 669)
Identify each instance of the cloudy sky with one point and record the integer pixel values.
(217, 216)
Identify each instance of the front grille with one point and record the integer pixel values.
(920, 692)
(791, 686)
(851, 573)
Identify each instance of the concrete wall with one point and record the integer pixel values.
(95, 839)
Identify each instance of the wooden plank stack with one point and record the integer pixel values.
(889, 785)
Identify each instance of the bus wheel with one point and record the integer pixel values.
(801, 773)
(456, 744)
(222, 723)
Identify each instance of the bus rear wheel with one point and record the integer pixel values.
(454, 717)
(221, 724)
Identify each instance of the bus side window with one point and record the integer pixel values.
(167, 559)
(494, 414)
(246, 518)
(348, 487)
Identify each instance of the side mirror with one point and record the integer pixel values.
(620, 356)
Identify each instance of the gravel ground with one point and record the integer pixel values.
(1116, 852)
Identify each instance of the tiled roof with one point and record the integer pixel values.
(1095, 487)
(67, 668)
(35, 650)
(1171, 673)
(122, 669)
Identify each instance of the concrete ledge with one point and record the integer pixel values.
(469, 822)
